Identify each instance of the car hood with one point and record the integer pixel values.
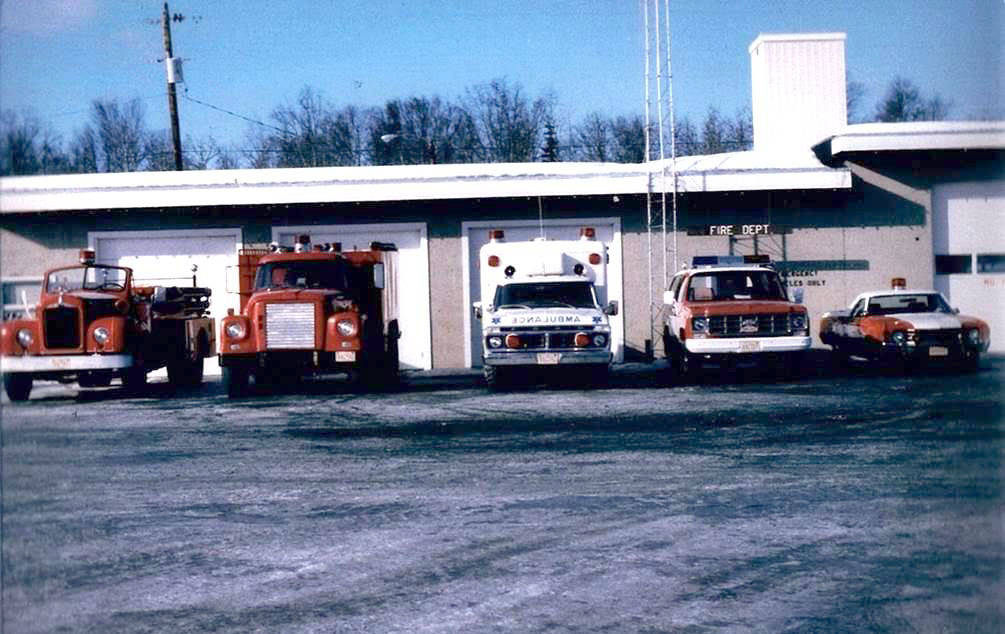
(928, 321)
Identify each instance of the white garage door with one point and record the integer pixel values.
(415, 346)
(475, 234)
(167, 258)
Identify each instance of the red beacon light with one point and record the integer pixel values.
(87, 256)
(898, 283)
(303, 244)
(496, 235)
(587, 233)
(493, 260)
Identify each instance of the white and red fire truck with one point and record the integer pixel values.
(93, 323)
(313, 310)
(729, 312)
(544, 304)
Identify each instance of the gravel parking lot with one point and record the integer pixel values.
(860, 501)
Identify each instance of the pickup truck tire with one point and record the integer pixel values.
(235, 381)
(17, 386)
(679, 364)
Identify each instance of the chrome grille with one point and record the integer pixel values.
(547, 337)
(289, 326)
(765, 324)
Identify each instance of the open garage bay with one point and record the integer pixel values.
(856, 502)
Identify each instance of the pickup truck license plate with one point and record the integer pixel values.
(938, 351)
(344, 356)
(548, 358)
(750, 346)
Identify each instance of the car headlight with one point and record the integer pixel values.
(25, 338)
(898, 337)
(699, 324)
(798, 321)
(495, 341)
(236, 330)
(974, 336)
(346, 328)
(101, 335)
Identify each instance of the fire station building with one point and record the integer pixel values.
(841, 209)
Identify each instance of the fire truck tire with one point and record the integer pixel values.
(134, 380)
(235, 380)
(17, 386)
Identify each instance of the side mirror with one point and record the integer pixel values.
(668, 297)
(611, 308)
(478, 309)
(956, 311)
(378, 275)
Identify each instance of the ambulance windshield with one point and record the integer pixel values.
(545, 295)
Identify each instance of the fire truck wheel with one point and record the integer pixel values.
(17, 386)
(236, 381)
(134, 379)
(185, 373)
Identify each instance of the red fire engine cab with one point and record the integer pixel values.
(313, 310)
(92, 324)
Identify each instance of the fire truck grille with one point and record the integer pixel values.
(289, 326)
(61, 327)
(763, 325)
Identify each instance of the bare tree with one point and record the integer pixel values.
(508, 123)
(903, 101)
(309, 133)
(423, 130)
(120, 132)
(628, 135)
(854, 96)
(29, 147)
(740, 131)
(593, 138)
(688, 140)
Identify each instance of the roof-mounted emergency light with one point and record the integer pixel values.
(87, 256)
(497, 235)
(493, 260)
(587, 233)
(898, 283)
(302, 244)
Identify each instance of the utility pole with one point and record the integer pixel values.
(172, 96)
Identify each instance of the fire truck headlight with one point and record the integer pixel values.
(101, 335)
(599, 340)
(495, 341)
(699, 324)
(973, 336)
(236, 330)
(25, 338)
(898, 337)
(346, 328)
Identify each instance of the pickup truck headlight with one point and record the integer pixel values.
(235, 330)
(346, 328)
(101, 336)
(798, 321)
(699, 324)
(25, 338)
(974, 337)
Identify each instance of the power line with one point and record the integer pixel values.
(233, 114)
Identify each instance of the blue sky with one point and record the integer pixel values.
(249, 56)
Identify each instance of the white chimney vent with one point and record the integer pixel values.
(798, 89)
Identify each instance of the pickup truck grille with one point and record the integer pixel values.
(289, 326)
(61, 327)
(762, 325)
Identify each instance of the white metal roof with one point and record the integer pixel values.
(919, 135)
(736, 171)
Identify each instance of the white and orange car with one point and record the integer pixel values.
(905, 328)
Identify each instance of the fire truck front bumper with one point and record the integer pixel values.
(568, 357)
(303, 360)
(748, 345)
(68, 363)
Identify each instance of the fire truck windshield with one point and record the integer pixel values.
(545, 295)
(326, 274)
(87, 278)
(731, 285)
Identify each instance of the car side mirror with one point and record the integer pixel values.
(668, 297)
(478, 309)
(611, 309)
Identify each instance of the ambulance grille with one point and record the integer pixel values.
(289, 326)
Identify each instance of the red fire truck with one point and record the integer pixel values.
(92, 324)
(313, 310)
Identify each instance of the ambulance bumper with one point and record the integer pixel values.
(68, 363)
(569, 357)
(747, 345)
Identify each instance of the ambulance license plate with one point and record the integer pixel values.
(548, 358)
(938, 351)
(341, 356)
(750, 346)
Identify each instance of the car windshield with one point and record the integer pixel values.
(729, 285)
(545, 295)
(327, 274)
(87, 278)
(907, 303)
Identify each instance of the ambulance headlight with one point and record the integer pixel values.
(25, 338)
(699, 324)
(235, 330)
(495, 341)
(600, 340)
(974, 337)
(101, 335)
(346, 328)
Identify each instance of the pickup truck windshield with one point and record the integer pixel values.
(86, 278)
(733, 285)
(326, 274)
(545, 295)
